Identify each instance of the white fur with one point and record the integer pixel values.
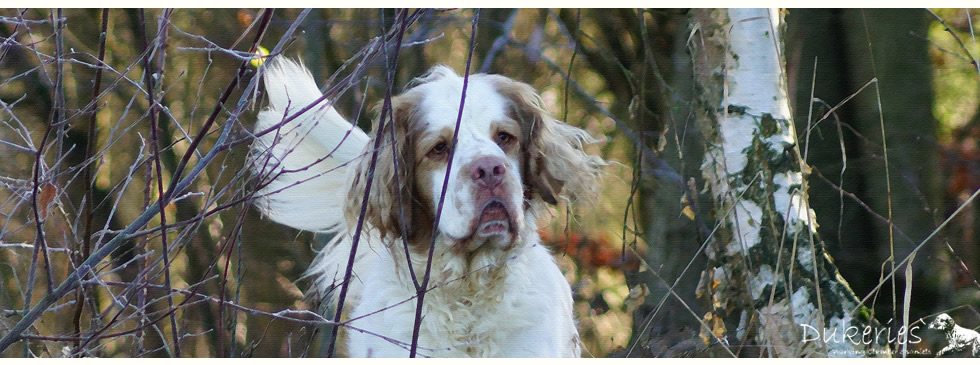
(313, 149)
(522, 310)
(495, 301)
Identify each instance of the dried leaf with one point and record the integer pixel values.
(705, 334)
(718, 327)
(636, 297)
(44, 197)
(688, 212)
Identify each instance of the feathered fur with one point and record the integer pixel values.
(495, 290)
(302, 163)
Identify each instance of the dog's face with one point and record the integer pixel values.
(510, 156)
(483, 200)
(943, 322)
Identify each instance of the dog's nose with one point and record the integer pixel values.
(488, 171)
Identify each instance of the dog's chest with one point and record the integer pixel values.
(475, 320)
(467, 313)
(516, 305)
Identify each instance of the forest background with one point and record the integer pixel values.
(106, 112)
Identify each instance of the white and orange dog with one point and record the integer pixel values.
(495, 289)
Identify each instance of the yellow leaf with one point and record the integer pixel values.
(688, 212)
(718, 327)
(705, 335)
(261, 54)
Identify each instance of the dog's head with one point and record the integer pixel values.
(510, 158)
(943, 322)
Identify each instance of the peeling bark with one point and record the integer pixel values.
(769, 276)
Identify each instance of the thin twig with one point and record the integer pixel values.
(391, 66)
(661, 170)
(442, 195)
(149, 74)
(179, 170)
(972, 59)
(690, 262)
(230, 243)
(39, 242)
(891, 274)
(501, 41)
(345, 286)
(70, 283)
(88, 177)
(888, 181)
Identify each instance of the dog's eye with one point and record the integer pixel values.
(439, 148)
(504, 138)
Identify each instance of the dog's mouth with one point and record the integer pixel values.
(494, 219)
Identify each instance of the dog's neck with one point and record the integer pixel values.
(452, 266)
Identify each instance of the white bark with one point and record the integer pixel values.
(752, 168)
(755, 86)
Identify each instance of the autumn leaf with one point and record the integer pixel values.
(44, 197)
(717, 325)
(636, 297)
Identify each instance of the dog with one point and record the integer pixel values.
(959, 338)
(495, 290)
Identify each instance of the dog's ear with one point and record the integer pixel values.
(390, 206)
(554, 162)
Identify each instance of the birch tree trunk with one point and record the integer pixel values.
(768, 271)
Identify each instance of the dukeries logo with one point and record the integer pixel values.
(958, 339)
(863, 335)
